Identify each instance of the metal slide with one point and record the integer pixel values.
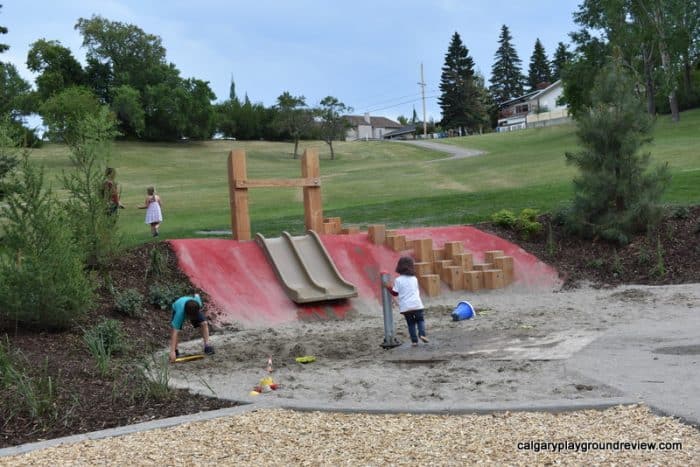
(304, 268)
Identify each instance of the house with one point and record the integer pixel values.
(534, 109)
(366, 127)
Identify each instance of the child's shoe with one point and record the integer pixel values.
(424, 339)
(209, 350)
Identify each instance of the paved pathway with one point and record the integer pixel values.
(456, 152)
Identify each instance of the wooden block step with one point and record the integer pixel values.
(423, 249)
(396, 242)
(455, 277)
(493, 279)
(430, 283)
(439, 267)
(452, 249)
(376, 233)
(473, 280)
(505, 264)
(438, 254)
(466, 260)
(483, 266)
(334, 224)
(490, 255)
(350, 230)
(423, 268)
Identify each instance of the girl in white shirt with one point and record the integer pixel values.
(410, 305)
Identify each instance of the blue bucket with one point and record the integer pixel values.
(464, 310)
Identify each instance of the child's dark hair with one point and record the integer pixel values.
(405, 266)
(191, 308)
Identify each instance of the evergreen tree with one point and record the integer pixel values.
(615, 194)
(3, 30)
(460, 99)
(562, 56)
(506, 75)
(539, 67)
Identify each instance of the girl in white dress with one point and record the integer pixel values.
(152, 204)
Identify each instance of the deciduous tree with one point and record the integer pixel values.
(333, 124)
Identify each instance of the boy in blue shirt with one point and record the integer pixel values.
(189, 306)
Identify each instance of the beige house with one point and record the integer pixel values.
(365, 127)
(537, 108)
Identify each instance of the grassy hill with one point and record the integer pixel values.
(371, 182)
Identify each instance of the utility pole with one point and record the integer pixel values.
(422, 89)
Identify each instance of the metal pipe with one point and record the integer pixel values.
(390, 339)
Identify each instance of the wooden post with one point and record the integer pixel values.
(238, 195)
(313, 207)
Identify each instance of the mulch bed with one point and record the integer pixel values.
(87, 401)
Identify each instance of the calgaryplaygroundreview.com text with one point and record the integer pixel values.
(585, 446)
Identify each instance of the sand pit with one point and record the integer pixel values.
(516, 349)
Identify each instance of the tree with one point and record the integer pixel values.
(506, 75)
(9, 153)
(62, 112)
(127, 106)
(293, 117)
(333, 124)
(615, 194)
(56, 67)
(43, 283)
(562, 57)
(591, 55)
(93, 227)
(460, 99)
(131, 55)
(3, 30)
(540, 71)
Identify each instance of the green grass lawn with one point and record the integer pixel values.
(371, 182)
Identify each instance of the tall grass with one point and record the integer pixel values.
(371, 182)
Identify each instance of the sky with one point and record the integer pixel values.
(367, 53)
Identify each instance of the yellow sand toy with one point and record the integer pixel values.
(305, 359)
(189, 358)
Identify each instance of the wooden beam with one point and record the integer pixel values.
(313, 206)
(238, 196)
(277, 182)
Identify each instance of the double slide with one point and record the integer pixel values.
(304, 268)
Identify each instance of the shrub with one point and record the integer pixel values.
(527, 224)
(504, 218)
(163, 295)
(129, 302)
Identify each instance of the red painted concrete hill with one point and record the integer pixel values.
(245, 290)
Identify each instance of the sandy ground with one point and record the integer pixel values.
(515, 349)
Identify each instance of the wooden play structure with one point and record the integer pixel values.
(449, 264)
(239, 184)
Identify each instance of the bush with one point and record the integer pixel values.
(163, 295)
(504, 218)
(129, 302)
(525, 224)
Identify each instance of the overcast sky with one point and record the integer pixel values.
(367, 53)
